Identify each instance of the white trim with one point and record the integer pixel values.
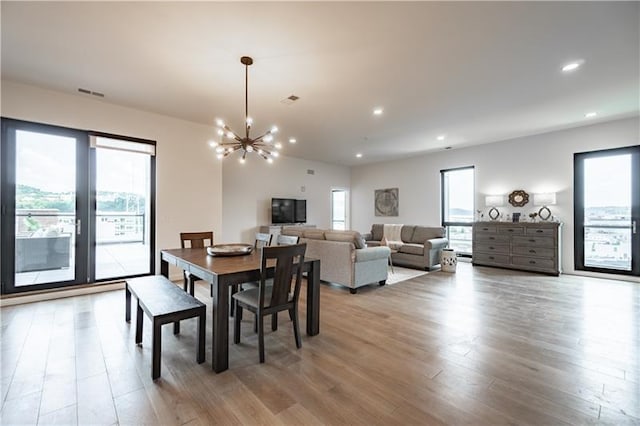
(59, 294)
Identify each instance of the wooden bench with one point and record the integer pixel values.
(163, 302)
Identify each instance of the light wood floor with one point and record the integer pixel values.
(482, 346)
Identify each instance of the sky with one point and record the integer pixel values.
(48, 162)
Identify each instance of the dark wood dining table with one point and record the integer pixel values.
(221, 272)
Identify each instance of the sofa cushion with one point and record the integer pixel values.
(346, 236)
(411, 248)
(407, 233)
(297, 232)
(422, 233)
(314, 234)
(377, 230)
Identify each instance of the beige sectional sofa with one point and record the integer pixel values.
(344, 258)
(420, 248)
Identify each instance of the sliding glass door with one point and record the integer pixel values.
(607, 211)
(44, 206)
(73, 211)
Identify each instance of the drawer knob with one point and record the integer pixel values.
(485, 229)
(491, 257)
(539, 231)
(532, 240)
(532, 251)
(492, 248)
(510, 230)
(533, 262)
(492, 238)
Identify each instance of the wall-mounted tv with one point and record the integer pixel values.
(288, 210)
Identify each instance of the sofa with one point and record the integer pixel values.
(344, 257)
(420, 246)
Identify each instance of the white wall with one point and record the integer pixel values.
(188, 176)
(248, 189)
(540, 163)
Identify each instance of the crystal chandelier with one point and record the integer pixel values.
(231, 142)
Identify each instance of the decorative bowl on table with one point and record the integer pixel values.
(235, 249)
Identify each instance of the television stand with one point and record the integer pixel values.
(275, 230)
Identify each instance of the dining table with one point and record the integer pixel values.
(223, 272)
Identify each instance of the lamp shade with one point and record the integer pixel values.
(494, 200)
(544, 199)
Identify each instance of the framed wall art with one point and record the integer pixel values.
(386, 202)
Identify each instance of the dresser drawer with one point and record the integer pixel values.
(486, 247)
(533, 262)
(534, 241)
(534, 251)
(492, 238)
(511, 230)
(487, 258)
(485, 229)
(541, 232)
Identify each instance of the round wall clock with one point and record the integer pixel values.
(518, 198)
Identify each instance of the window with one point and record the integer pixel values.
(338, 209)
(606, 211)
(75, 211)
(457, 187)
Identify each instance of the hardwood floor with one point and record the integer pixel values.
(482, 346)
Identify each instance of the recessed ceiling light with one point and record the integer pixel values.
(441, 137)
(358, 155)
(292, 140)
(590, 114)
(572, 66)
(378, 111)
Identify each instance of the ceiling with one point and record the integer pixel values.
(475, 72)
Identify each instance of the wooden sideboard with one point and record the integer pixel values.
(528, 246)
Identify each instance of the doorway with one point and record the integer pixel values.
(607, 211)
(77, 207)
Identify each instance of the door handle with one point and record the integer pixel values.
(78, 226)
(633, 227)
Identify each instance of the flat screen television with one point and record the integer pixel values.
(288, 210)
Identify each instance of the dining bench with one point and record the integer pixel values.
(163, 302)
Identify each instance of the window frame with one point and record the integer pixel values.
(447, 224)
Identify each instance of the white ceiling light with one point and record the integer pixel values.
(292, 140)
(441, 137)
(590, 114)
(572, 66)
(358, 155)
(378, 111)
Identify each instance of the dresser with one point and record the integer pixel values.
(528, 246)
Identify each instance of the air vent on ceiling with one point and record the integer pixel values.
(89, 92)
(291, 99)
(311, 172)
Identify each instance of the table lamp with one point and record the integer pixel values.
(544, 200)
(494, 201)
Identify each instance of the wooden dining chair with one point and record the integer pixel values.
(286, 240)
(195, 240)
(262, 240)
(279, 296)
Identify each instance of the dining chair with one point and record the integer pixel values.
(284, 240)
(195, 240)
(279, 296)
(263, 240)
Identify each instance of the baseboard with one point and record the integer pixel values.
(18, 299)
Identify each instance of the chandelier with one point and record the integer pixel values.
(231, 141)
